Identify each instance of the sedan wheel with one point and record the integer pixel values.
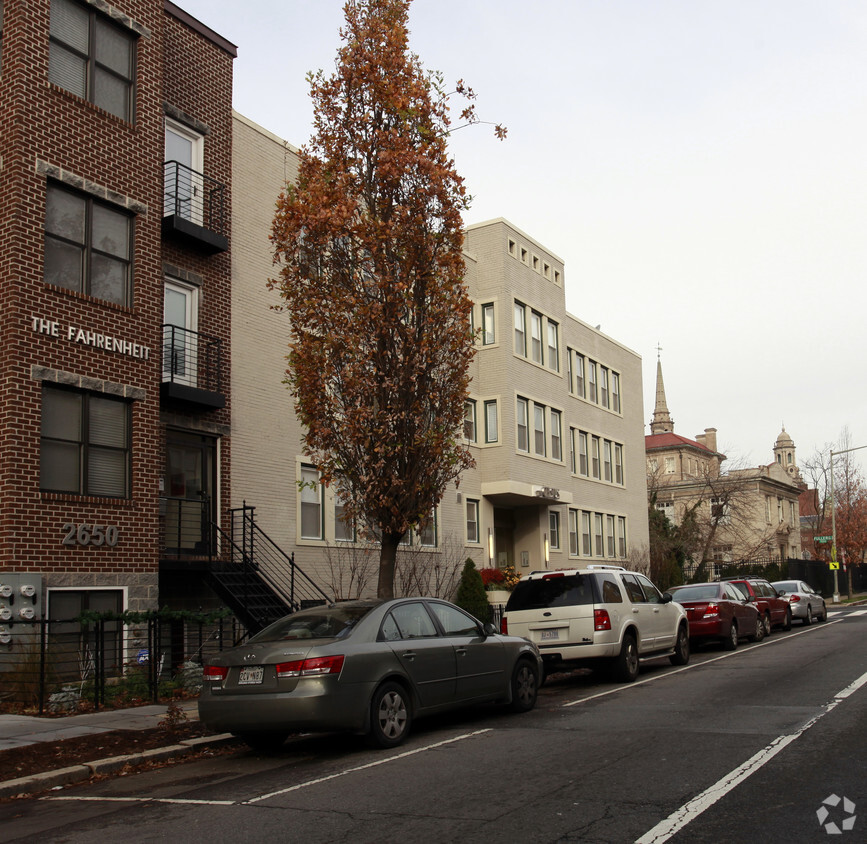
(390, 715)
(808, 618)
(730, 643)
(787, 624)
(823, 616)
(525, 687)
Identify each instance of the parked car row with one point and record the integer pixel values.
(371, 667)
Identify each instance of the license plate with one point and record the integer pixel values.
(549, 635)
(251, 675)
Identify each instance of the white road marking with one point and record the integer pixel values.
(301, 785)
(858, 612)
(761, 644)
(690, 811)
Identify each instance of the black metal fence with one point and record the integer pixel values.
(55, 667)
(195, 197)
(192, 359)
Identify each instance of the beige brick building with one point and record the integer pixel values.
(554, 419)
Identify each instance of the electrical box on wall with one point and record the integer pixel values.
(21, 598)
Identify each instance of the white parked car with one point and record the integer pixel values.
(597, 616)
(806, 602)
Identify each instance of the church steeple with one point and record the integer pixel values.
(661, 423)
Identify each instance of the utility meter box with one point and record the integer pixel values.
(21, 598)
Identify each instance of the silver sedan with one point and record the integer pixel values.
(806, 602)
(369, 667)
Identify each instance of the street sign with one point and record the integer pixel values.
(833, 566)
(821, 539)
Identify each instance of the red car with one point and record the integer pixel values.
(719, 611)
(774, 609)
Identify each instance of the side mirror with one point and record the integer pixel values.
(489, 629)
(667, 597)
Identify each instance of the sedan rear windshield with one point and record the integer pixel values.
(323, 623)
(568, 591)
(695, 593)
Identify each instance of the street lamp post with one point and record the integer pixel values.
(836, 597)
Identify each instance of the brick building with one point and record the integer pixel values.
(115, 179)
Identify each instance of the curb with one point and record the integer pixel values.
(37, 783)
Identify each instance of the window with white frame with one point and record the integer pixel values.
(583, 464)
(522, 425)
(489, 335)
(553, 346)
(85, 444)
(580, 386)
(615, 392)
(344, 529)
(520, 330)
(606, 460)
(88, 246)
(598, 540)
(591, 381)
(554, 529)
(585, 534)
(492, 434)
(311, 503)
(539, 429)
(573, 533)
(609, 535)
(618, 464)
(621, 536)
(91, 56)
(556, 436)
(669, 466)
(473, 521)
(594, 454)
(573, 451)
(603, 386)
(667, 509)
(427, 533)
(536, 353)
(470, 420)
(180, 333)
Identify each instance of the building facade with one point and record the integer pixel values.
(749, 513)
(553, 418)
(115, 156)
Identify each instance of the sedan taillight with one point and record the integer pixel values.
(215, 673)
(793, 599)
(711, 610)
(317, 667)
(601, 620)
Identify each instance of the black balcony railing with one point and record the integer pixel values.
(193, 366)
(194, 207)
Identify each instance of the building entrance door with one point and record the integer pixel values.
(504, 541)
(190, 492)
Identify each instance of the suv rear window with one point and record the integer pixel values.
(566, 591)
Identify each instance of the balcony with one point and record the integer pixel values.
(194, 209)
(192, 367)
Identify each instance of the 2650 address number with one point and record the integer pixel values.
(91, 534)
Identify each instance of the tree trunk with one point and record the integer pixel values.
(387, 559)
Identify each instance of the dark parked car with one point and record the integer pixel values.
(719, 611)
(773, 608)
(805, 602)
(364, 666)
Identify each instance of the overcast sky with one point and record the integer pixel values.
(700, 166)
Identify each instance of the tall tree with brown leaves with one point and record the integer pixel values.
(368, 242)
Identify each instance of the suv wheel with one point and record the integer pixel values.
(625, 666)
(681, 647)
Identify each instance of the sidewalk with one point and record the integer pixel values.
(23, 730)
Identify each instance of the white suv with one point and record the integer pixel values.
(597, 615)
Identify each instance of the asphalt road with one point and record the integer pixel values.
(738, 747)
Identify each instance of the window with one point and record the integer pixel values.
(554, 528)
(573, 533)
(669, 465)
(470, 420)
(598, 545)
(491, 422)
(719, 511)
(603, 386)
(792, 519)
(621, 536)
(455, 622)
(609, 535)
(768, 509)
(488, 328)
(520, 330)
(585, 533)
(88, 246)
(180, 336)
(553, 346)
(573, 452)
(91, 57)
(311, 503)
(522, 426)
(556, 436)
(579, 376)
(84, 448)
(780, 510)
(539, 429)
(472, 521)
(427, 534)
(606, 460)
(184, 190)
(615, 392)
(594, 445)
(536, 337)
(591, 380)
(618, 464)
(667, 509)
(582, 453)
(344, 529)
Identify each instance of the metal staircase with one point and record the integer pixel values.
(258, 581)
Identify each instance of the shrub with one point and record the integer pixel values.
(471, 593)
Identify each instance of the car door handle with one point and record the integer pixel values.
(461, 651)
(635, 609)
(410, 655)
